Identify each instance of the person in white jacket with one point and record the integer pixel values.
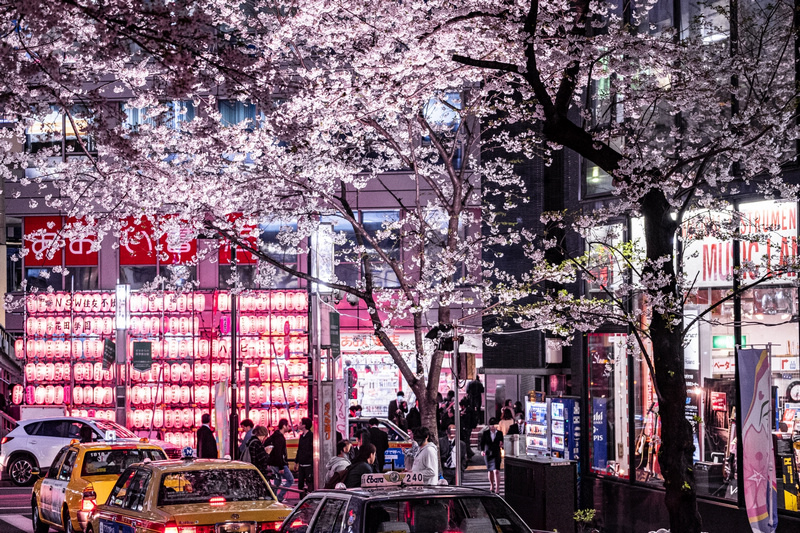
(426, 461)
(340, 462)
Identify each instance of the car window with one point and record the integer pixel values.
(51, 428)
(52, 472)
(74, 429)
(199, 486)
(66, 468)
(120, 489)
(107, 425)
(302, 515)
(112, 462)
(137, 490)
(330, 518)
(31, 429)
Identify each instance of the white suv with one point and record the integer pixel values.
(34, 443)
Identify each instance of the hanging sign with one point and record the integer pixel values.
(109, 354)
(336, 349)
(142, 356)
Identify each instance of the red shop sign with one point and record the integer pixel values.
(78, 252)
(41, 237)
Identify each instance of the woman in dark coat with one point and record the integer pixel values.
(258, 455)
(362, 465)
(491, 443)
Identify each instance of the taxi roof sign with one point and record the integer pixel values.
(392, 480)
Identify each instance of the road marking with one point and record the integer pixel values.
(16, 521)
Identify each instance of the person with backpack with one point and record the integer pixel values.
(338, 464)
(256, 454)
(278, 459)
(247, 425)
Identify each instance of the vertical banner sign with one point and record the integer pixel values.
(599, 435)
(221, 417)
(336, 343)
(142, 356)
(341, 405)
(758, 462)
(109, 353)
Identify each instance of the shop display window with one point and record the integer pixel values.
(608, 404)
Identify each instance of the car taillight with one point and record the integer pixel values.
(89, 502)
(172, 527)
(6, 439)
(269, 527)
(217, 500)
(297, 523)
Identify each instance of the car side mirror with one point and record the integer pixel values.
(35, 472)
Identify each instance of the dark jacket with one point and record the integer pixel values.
(206, 444)
(277, 457)
(414, 419)
(258, 456)
(356, 471)
(305, 449)
(393, 407)
(445, 449)
(380, 439)
(491, 447)
(513, 430)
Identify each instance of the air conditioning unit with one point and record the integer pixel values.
(553, 354)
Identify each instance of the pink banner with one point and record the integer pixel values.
(758, 461)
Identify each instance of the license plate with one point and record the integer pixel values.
(236, 527)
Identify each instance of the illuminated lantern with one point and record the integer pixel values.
(188, 417)
(174, 348)
(138, 419)
(49, 371)
(173, 325)
(184, 348)
(31, 326)
(108, 375)
(30, 394)
(40, 372)
(222, 302)
(186, 373)
(17, 394)
(30, 372)
(39, 395)
(78, 301)
(224, 371)
(41, 304)
(263, 393)
(136, 395)
(78, 326)
(175, 372)
(181, 303)
(148, 418)
(158, 349)
(158, 418)
(155, 325)
(262, 303)
(97, 395)
(202, 394)
(278, 301)
(176, 393)
(215, 372)
(67, 394)
(49, 349)
(58, 371)
(148, 395)
(30, 304)
(169, 419)
(199, 302)
(170, 305)
(185, 394)
(253, 393)
(88, 348)
(49, 395)
(108, 396)
(41, 326)
(205, 371)
(50, 326)
(98, 372)
(78, 372)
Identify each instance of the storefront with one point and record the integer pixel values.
(623, 409)
(178, 349)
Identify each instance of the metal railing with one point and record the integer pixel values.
(6, 424)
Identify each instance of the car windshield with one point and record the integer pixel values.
(199, 486)
(112, 462)
(106, 425)
(435, 515)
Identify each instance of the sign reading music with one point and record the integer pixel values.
(769, 241)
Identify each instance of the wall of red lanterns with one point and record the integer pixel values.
(190, 338)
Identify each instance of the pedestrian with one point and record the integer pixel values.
(258, 455)
(380, 439)
(304, 460)
(447, 453)
(362, 465)
(401, 421)
(475, 392)
(396, 405)
(206, 443)
(426, 462)
(340, 462)
(490, 445)
(278, 460)
(507, 421)
(518, 410)
(410, 453)
(414, 419)
(247, 426)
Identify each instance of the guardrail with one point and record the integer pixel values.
(6, 424)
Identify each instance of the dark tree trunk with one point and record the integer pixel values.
(677, 446)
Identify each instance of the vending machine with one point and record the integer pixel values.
(536, 437)
(564, 427)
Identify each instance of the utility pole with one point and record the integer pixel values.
(234, 424)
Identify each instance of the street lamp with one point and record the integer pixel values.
(123, 294)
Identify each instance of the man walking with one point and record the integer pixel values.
(395, 405)
(278, 459)
(304, 460)
(206, 443)
(447, 453)
(381, 441)
(247, 425)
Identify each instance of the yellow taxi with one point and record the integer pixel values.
(190, 496)
(82, 475)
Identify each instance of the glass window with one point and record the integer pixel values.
(608, 404)
(137, 490)
(381, 225)
(56, 131)
(331, 517)
(298, 521)
(66, 468)
(112, 462)
(42, 278)
(108, 425)
(137, 276)
(172, 114)
(82, 279)
(605, 261)
(235, 112)
(197, 486)
(52, 472)
(120, 490)
(51, 428)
